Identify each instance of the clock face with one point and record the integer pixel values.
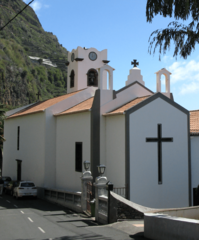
(92, 56)
(72, 57)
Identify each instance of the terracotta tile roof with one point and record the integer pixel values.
(41, 106)
(81, 107)
(194, 122)
(126, 106)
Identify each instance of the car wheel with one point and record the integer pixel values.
(17, 196)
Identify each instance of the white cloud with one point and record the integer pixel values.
(190, 88)
(185, 76)
(182, 71)
(166, 58)
(36, 6)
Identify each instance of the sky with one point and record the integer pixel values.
(120, 26)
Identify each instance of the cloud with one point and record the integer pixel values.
(36, 6)
(190, 88)
(182, 71)
(186, 76)
(166, 59)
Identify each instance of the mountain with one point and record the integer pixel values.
(31, 59)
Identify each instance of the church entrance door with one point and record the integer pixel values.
(19, 170)
(89, 196)
(195, 196)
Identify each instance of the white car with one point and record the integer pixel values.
(25, 188)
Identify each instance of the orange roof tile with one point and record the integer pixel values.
(81, 107)
(194, 122)
(41, 106)
(126, 106)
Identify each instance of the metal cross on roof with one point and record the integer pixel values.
(38, 94)
(135, 63)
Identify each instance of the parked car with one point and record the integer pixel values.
(6, 181)
(10, 187)
(25, 188)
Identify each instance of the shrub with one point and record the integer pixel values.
(24, 73)
(40, 61)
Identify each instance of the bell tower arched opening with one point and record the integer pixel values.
(160, 84)
(72, 79)
(106, 84)
(92, 77)
(163, 83)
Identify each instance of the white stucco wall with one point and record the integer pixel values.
(144, 187)
(70, 129)
(115, 150)
(125, 96)
(195, 161)
(31, 150)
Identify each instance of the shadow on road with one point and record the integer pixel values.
(83, 236)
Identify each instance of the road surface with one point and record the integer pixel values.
(38, 219)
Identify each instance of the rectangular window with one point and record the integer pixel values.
(78, 156)
(18, 136)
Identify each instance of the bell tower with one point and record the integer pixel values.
(167, 74)
(82, 68)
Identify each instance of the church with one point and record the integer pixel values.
(148, 143)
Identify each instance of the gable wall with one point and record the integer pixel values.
(115, 150)
(144, 187)
(71, 128)
(195, 161)
(125, 96)
(31, 148)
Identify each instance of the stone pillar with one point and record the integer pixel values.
(85, 178)
(100, 190)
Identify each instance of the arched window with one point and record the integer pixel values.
(92, 77)
(72, 79)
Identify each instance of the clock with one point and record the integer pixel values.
(92, 56)
(72, 57)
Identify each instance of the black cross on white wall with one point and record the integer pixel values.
(159, 141)
(135, 63)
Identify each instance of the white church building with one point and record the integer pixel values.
(144, 138)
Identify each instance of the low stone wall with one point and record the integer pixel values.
(103, 209)
(68, 199)
(188, 212)
(163, 227)
(121, 209)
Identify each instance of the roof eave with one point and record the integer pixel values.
(22, 115)
(62, 114)
(113, 114)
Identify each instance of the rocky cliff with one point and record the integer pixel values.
(21, 77)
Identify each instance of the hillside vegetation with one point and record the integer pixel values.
(20, 77)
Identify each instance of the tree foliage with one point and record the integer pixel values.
(185, 37)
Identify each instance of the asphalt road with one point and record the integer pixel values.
(37, 219)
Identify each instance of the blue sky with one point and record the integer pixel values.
(121, 27)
